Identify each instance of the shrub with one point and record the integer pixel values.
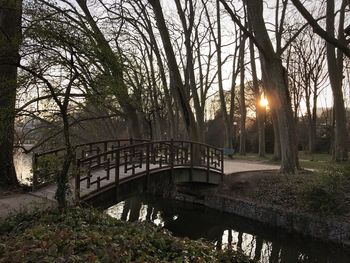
(87, 235)
(327, 195)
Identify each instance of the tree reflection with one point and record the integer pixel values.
(225, 231)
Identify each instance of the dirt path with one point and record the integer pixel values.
(233, 166)
(19, 202)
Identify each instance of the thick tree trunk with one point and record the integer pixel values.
(276, 79)
(286, 125)
(335, 70)
(134, 124)
(260, 116)
(277, 155)
(10, 38)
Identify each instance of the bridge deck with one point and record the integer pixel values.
(230, 167)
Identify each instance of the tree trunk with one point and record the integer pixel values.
(260, 110)
(311, 141)
(276, 137)
(220, 84)
(112, 63)
(335, 70)
(243, 109)
(260, 116)
(10, 38)
(63, 174)
(278, 88)
(176, 83)
(190, 79)
(312, 125)
(134, 127)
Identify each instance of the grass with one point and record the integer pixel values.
(87, 235)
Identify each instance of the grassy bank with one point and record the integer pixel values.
(324, 192)
(87, 235)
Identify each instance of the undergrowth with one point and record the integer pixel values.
(328, 195)
(87, 235)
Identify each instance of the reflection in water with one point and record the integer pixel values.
(226, 231)
(23, 165)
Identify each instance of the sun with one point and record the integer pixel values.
(263, 101)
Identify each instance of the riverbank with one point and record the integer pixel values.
(87, 235)
(311, 204)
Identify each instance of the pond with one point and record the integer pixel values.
(227, 231)
(23, 166)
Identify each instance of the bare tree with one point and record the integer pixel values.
(260, 109)
(275, 77)
(335, 60)
(238, 52)
(176, 83)
(243, 109)
(306, 68)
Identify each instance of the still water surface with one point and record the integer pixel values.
(23, 166)
(227, 231)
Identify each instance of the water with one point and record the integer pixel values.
(23, 166)
(227, 231)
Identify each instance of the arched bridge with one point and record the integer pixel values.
(103, 165)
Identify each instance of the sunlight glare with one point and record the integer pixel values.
(263, 101)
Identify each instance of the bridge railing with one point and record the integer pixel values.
(110, 167)
(46, 164)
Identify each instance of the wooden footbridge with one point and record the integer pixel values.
(103, 165)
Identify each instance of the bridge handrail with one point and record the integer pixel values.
(88, 144)
(89, 158)
(133, 157)
(36, 156)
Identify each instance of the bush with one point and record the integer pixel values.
(327, 195)
(87, 235)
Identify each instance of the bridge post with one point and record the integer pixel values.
(77, 182)
(172, 158)
(107, 167)
(34, 167)
(191, 161)
(105, 148)
(99, 157)
(208, 163)
(222, 165)
(148, 159)
(117, 164)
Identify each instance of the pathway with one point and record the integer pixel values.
(15, 203)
